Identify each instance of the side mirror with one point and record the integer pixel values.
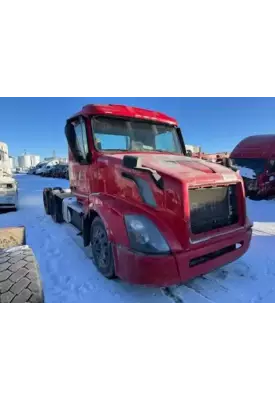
(71, 139)
(180, 137)
(89, 158)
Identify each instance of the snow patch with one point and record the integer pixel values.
(18, 248)
(247, 172)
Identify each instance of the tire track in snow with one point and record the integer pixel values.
(58, 285)
(221, 285)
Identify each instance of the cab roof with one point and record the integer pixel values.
(258, 146)
(117, 110)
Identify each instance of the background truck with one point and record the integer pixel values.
(150, 214)
(254, 157)
(45, 167)
(8, 185)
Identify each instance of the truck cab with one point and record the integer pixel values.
(151, 214)
(254, 157)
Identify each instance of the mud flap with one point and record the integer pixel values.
(12, 237)
(86, 231)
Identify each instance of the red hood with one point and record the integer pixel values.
(181, 167)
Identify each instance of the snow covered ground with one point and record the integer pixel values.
(69, 276)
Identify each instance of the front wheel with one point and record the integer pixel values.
(102, 249)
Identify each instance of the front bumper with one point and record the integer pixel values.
(8, 199)
(174, 269)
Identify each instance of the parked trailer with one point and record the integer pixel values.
(19, 272)
(150, 214)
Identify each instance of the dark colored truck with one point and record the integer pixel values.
(150, 214)
(255, 159)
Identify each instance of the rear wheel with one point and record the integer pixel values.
(255, 196)
(46, 200)
(56, 208)
(102, 249)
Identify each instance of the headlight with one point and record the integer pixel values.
(272, 178)
(144, 236)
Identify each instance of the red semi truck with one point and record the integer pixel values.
(255, 158)
(150, 214)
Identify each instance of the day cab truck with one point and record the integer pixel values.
(150, 214)
(255, 159)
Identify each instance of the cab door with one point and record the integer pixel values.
(79, 171)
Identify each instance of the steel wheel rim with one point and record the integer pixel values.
(101, 247)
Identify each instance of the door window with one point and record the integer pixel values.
(81, 138)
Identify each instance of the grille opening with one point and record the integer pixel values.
(211, 256)
(213, 208)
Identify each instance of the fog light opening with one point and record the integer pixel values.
(239, 245)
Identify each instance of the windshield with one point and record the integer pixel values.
(127, 135)
(256, 164)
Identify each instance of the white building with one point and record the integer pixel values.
(194, 149)
(35, 160)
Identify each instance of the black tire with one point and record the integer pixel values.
(102, 249)
(54, 209)
(19, 277)
(46, 200)
(255, 196)
(56, 206)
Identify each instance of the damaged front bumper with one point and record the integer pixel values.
(178, 268)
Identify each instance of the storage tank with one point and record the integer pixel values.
(24, 161)
(35, 160)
